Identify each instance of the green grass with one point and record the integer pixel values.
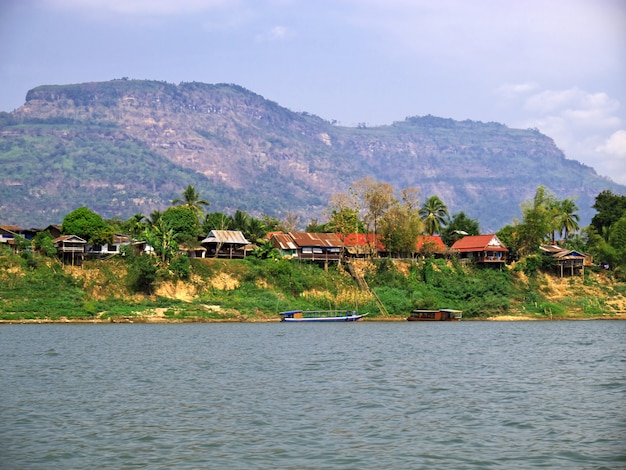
(38, 288)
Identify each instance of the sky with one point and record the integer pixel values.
(555, 65)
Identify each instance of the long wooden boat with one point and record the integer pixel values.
(320, 315)
(442, 314)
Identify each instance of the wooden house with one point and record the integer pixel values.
(482, 249)
(570, 262)
(109, 249)
(54, 230)
(323, 247)
(70, 248)
(8, 234)
(284, 243)
(225, 244)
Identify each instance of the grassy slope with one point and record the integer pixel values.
(257, 290)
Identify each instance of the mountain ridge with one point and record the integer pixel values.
(127, 146)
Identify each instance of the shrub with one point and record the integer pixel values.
(142, 274)
(180, 267)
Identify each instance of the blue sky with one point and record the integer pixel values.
(557, 65)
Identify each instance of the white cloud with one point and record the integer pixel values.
(615, 145)
(585, 125)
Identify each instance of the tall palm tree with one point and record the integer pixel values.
(155, 217)
(568, 218)
(434, 214)
(191, 199)
(135, 224)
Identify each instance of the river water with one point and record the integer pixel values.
(364, 395)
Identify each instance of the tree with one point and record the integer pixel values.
(134, 225)
(44, 243)
(216, 221)
(567, 218)
(163, 239)
(344, 215)
(141, 274)
(375, 198)
(460, 226)
(88, 225)
(155, 217)
(610, 208)
(183, 221)
(537, 223)
(255, 230)
(240, 221)
(434, 214)
(289, 223)
(399, 228)
(191, 199)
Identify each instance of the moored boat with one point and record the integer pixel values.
(442, 314)
(320, 315)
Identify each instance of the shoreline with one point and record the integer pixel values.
(162, 321)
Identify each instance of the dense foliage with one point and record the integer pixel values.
(264, 283)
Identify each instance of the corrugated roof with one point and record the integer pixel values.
(479, 243)
(226, 236)
(283, 240)
(65, 238)
(316, 239)
(11, 228)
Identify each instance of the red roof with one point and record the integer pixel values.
(433, 240)
(479, 243)
(362, 239)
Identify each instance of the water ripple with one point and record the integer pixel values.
(365, 395)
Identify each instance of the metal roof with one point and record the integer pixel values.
(284, 241)
(69, 238)
(226, 236)
(316, 239)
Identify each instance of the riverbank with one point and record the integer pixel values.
(160, 320)
(220, 291)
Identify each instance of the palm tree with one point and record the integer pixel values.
(240, 221)
(155, 218)
(568, 218)
(135, 224)
(434, 214)
(191, 199)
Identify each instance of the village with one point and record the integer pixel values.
(321, 248)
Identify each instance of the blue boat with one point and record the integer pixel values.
(320, 315)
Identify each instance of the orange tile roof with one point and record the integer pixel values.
(479, 243)
(433, 240)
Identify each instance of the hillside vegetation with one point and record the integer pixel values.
(36, 288)
(127, 146)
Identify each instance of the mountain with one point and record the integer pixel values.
(128, 146)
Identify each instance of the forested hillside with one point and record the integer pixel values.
(129, 146)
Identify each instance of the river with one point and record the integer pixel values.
(364, 395)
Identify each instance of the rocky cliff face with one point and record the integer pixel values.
(129, 146)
